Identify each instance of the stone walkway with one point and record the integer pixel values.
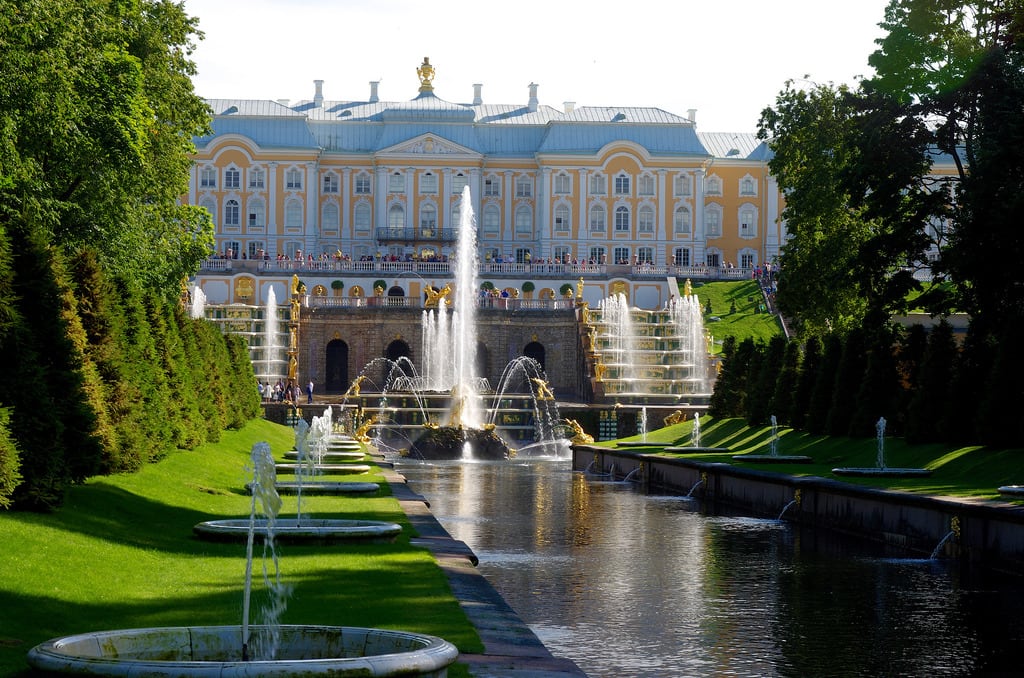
(511, 649)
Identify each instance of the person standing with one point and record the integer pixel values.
(309, 391)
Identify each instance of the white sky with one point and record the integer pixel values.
(726, 58)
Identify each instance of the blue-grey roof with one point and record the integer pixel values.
(735, 145)
(489, 129)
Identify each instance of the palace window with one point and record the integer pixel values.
(598, 255)
(621, 255)
(361, 219)
(563, 184)
(562, 219)
(621, 219)
(598, 184)
(492, 187)
(363, 184)
(330, 183)
(492, 221)
(459, 182)
(713, 186)
(329, 218)
(232, 178)
(748, 187)
(681, 221)
(748, 223)
(232, 214)
(645, 219)
(713, 222)
(208, 177)
(428, 221)
(396, 216)
(562, 253)
(210, 206)
(396, 183)
(681, 256)
(681, 186)
(428, 183)
(293, 180)
(747, 259)
(598, 222)
(524, 187)
(257, 179)
(293, 215)
(645, 184)
(713, 259)
(257, 217)
(622, 184)
(524, 221)
(645, 255)
(257, 249)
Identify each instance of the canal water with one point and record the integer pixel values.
(632, 585)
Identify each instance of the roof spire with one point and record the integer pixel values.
(426, 74)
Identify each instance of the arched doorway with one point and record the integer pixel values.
(336, 372)
(535, 350)
(395, 350)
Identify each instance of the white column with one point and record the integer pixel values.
(699, 239)
(543, 230)
(444, 195)
(311, 229)
(775, 232)
(476, 189)
(508, 232)
(662, 200)
(380, 202)
(346, 201)
(410, 198)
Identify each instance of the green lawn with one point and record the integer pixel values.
(970, 471)
(745, 321)
(121, 554)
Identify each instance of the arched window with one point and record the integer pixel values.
(257, 215)
(645, 184)
(492, 221)
(563, 219)
(748, 222)
(524, 221)
(232, 178)
(645, 219)
(396, 216)
(598, 219)
(329, 217)
(362, 219)
(622, 184)
(232, 213)
(621, 219)
(428, 221)
(293, 214)
(428, 183)
(210, 206)
(681, 223)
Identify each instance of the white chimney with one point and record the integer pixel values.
(318, 97)
(532, 104)
(373, 91)
(477, 98)
(691, 113)
(570, 106)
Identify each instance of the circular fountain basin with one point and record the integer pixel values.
(875, 472)
(349, 445)
(1015, 491)
(773, 459)
(326, 531)
(325, 469)
(330, 455)
(215, 651)
(325, 487)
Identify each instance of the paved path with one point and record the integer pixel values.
(511, 649)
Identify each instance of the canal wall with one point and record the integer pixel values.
(988, 533)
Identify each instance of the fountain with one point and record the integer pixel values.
(268, 649)
(695, 433)
(700, 481)
(198, 309)
(773, 456)
(315, 445)
(954, 532)
(270, 366)
(795, 501)
(881, 470)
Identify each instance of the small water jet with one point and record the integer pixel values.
(795, 501)
(954, 533)
(700, 481)
(881, 470)
(773, 456)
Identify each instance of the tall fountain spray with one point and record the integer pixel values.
(466, 410)
(198, 302)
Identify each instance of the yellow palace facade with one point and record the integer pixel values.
(357, 194)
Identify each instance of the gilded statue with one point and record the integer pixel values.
(676, 417)
(435, 295)
(579, 289)
(579, 435)
(543, 391)
(353, 390)
(426, 75)
(687, 288)
(362, 433)
(599, 370)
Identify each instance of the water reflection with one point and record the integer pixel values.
(630, 585)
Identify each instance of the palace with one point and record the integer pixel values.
(360, 202)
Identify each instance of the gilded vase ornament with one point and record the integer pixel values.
(426, 75)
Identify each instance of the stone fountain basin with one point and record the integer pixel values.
(324, 531)
(215, 651)
(311, 487)
(329, 455)
(886, 472)
(326, 469)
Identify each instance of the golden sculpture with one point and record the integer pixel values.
(426, 75)
(579, 289)
(293, 366)
(591, 336)
(543, 391)
(580, 436)
(676, 417)
(362, 432)
(435, 295)
(599, 370)
(687, 288)
(353, 390)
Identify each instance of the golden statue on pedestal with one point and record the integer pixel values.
(599, 370)
(579, 289)
(687, 288)
(676, 417)
(426, 75)
(353, 390)
(362, 432)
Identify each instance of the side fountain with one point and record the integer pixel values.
(245, 650)
(315, 448)
(881, 470)
(773, 456)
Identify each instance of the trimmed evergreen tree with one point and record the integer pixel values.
(847, 384)
(184, 400)
(808, 375)
(927, 416)
(763, 380)
(784, 397)
(726, 396)
(973, 364)
(879, 391)
(999, 418)
(824, 385)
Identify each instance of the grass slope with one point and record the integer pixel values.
(120, 554)
(745, 321)
(969, 471)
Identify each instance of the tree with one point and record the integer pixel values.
(761, 389)
(878, 394)
(808, 374)
(927, 419)
(848, 375)
(809, 133)
(784, 397)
